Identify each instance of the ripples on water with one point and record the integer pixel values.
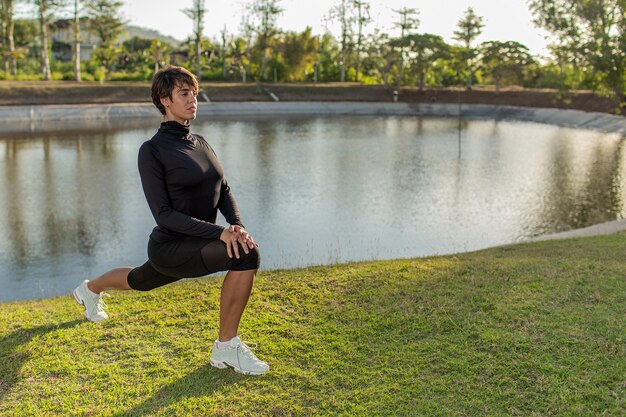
(311, 191)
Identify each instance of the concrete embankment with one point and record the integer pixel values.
(42, 118)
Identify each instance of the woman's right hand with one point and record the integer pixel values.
(231, 238)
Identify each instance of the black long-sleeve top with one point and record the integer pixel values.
(184, 185)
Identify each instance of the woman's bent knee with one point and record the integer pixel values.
(247, 261)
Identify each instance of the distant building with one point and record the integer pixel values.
(62, 37)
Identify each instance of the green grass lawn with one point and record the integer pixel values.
(535, 329)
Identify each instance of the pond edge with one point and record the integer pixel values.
(39, 118)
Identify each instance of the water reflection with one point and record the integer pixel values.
(26, 129)
(311, 190)
(584, 182)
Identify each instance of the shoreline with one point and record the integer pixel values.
(95, 116)
(601, 229)
(606, 228)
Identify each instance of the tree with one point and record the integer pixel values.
(239, 56)
(140, 54)
(341, 12)
(159, 52)
(105, 21)
(594, 31)
(196, 13)
(223, 50)
(327, 53)
(502, 58)
(8, 41)
(3, 30)
(267, 12)
(469, 28)
(426, 49)
(76, 27)
(407, 22)
(247, 29)
(44, 21)
(26, 33)
(300, 50)
(381, 55)
(363, 18)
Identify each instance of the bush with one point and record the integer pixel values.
(212, 74)
(143, 75)
(86, 76)
(21, 76)
(100, 74)
(68, 76)
(370, 79)
(566, 76)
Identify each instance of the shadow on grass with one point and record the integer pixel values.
(13, 359)
(201, 382)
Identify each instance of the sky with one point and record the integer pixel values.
(504, 19)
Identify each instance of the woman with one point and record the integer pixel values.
(184, 184)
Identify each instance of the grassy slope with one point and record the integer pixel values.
(532, 329)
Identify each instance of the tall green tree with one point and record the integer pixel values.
(426, 49)
(196, 13)
(134, 55)
(224, 50)
(594, 31)
(239, 56)
(266, 13)
(470, 26)
(26, 33)
(141, 54)
(362, 19)
(3, 30)
(106, 22)
(8, 40)
(381, 56)
(300, 50)
(44, 8)
(247, 33)
(159, 52)
(76, 48)
(504, 58)
(327, 53)
(407, 22)
(341, 13)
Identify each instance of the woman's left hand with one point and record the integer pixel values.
(244, 238)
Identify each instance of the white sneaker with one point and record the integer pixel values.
(238, 356)
(94, 304)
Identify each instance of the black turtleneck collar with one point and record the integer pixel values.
(175, 129)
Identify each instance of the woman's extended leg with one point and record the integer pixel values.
(142, 278)
(115, 279)
(89, 293)
(235, 293)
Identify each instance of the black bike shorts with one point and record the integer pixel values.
(187, 257)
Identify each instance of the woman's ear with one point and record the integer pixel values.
(165, 101)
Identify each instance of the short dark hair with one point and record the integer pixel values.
(165, 80)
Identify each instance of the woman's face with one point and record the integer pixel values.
(183, 105)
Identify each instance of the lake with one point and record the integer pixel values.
(311, 190)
